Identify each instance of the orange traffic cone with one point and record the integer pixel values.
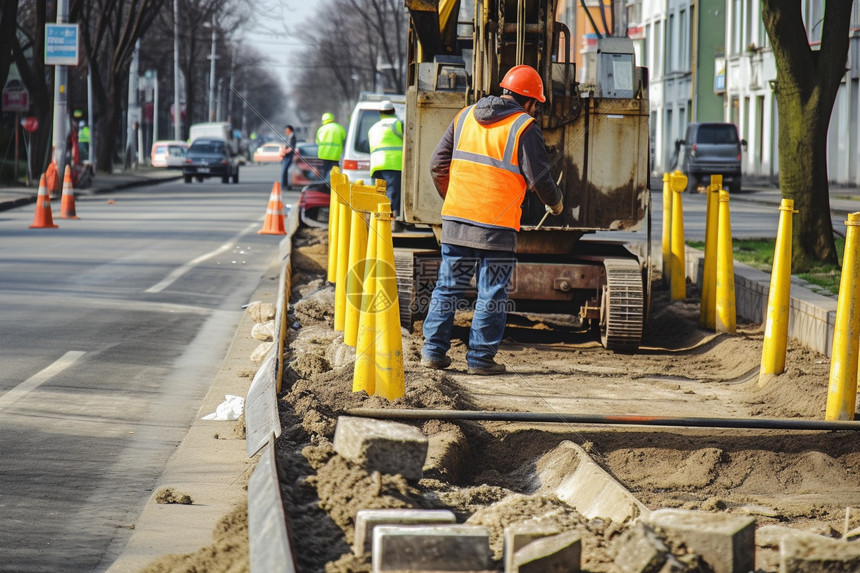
(43, 218)
(67, 206)
(274, 223)
(52, 180)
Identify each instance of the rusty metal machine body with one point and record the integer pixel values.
(597, 137)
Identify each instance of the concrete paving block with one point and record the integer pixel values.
(570, 474)
(387, 447)
(817, 554)
(430, 548)
(726, 542)
(521, 534)
(639, 549)
(559, 553)
(367, 519)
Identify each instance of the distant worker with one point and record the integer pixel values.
(84, 140)
(330, 139)
(491, 154)
(287, 156)
(386, 153)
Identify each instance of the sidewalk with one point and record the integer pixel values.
(15, 196)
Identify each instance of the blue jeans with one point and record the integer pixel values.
(285, 172)
(392, 187)
(459, 265)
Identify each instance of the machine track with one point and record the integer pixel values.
(622, 306)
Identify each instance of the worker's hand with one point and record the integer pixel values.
(556, 209)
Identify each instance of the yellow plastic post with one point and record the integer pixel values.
(842, 389)
(364, 370)
(344, 218)
(726, 316)
(667, 230)
(778, 299)
(678, 280)
(333, 210)
(390, 376)
(354, 276)
(707, 308)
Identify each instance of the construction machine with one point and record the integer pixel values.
(595, 123)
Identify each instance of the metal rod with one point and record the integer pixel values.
(631, 420)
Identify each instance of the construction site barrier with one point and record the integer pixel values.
(678, 279)
(779, 294)
(842, 388)
(707, 308)
(725, 317)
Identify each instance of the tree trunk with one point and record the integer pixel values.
(803, 177)
(807, 82)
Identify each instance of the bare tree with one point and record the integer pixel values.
(109, 31)
(806, 87)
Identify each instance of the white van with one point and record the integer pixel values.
(215, 130)
(355, 161)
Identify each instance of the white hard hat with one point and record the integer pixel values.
(385, 106)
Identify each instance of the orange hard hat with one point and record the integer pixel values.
(524, 80)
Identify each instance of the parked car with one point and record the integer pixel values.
(314, 205)
(210, 158)
(306, 167)
(356, 150)
(269, 153)
(712, 149)
(168, 153)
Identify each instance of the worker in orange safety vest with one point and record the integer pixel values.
(490, 156)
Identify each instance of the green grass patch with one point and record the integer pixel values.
(758, 253)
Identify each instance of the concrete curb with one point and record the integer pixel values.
(270, 550)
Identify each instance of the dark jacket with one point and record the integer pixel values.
(534, 165)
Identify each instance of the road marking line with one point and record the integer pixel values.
(39, 378)
(174, 276)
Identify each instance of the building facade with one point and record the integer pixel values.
(710, 60)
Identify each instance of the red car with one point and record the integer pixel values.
(306, 167)
(314, 205)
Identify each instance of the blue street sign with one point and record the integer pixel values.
(61, 44)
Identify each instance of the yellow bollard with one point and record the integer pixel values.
(667, 230)
(778, 299)
(364, 371)
(725, 315)
(344, 218)
(333, 210)
(363, 199)
(678, 279)
(709, 272)
(354, 276)
(842, 389)
(390, 377)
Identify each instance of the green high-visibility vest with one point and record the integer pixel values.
(386, 145)
(84, 135)
(330, 138)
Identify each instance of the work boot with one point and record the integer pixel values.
(487, 369)
(436, 363)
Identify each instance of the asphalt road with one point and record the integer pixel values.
(111, 330)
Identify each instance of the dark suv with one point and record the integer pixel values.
(712, 149)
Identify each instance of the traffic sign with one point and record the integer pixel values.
(61, 44)
(16, 99)
(30, 124)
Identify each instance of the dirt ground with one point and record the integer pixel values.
(485, 472)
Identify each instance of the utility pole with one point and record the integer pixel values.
(61, 102)
(212, 58)
(133, 106)
(177, 113)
